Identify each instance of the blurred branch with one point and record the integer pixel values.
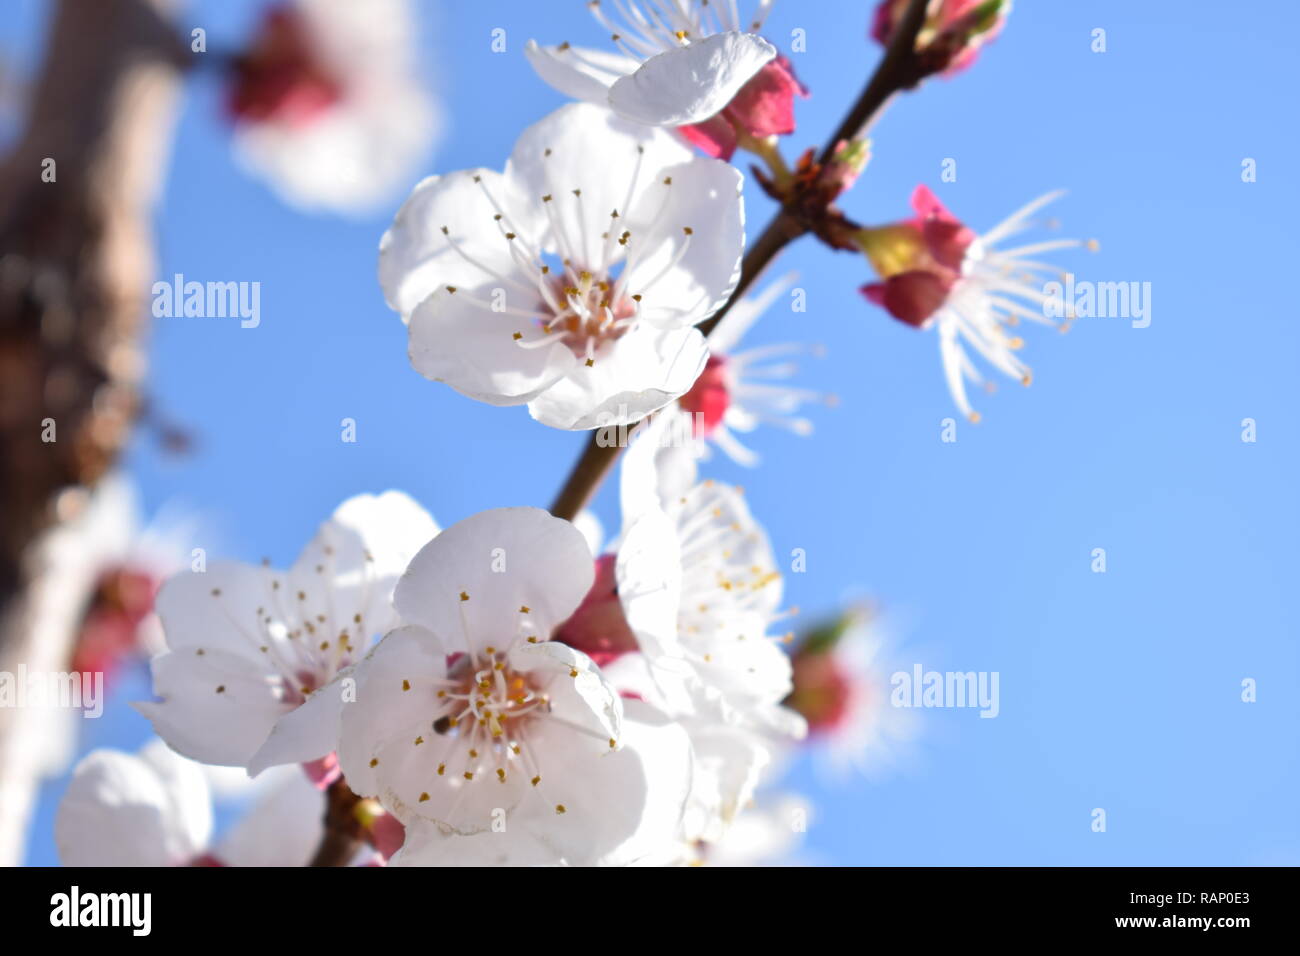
(76, 260)
(899, 69)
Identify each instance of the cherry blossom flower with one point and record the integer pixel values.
(689, 65)
(678, 616)
(841, 687)
(248, 645)
(699, 585)
(491, 742)
(154, 808)
(677, 63)
(953, 33)
(936, 272)
(740, 390)
(571, 281)
(327, 105)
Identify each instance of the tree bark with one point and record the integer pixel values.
(76, 266)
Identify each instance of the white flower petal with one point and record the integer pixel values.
(613, 164)
(619, 808)
(458, 339)
(282, 828)
(308, 732)
(642, 372)
(120, 810)
(215, 708)
(416, 257)
(394, 684)
(579, 72)
(497, 576)
(703, 212)
(579, 693)
(351, 565)
(649, 575)
(729, 763)
(690, 84)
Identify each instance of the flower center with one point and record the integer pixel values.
(484, 700)
(587, 313)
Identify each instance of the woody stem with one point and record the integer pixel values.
(896, 71)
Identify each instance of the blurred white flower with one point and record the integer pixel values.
(571, 281)
(842, 688)
(492, 743)
(767, 834)
(154, 808)
(327, 103)
(248, 645)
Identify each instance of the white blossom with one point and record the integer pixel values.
(248, 644)
(570, 282)
(677, 62)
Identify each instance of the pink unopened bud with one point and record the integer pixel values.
(709, 398)
(110, 631)
(281, 78)
(764, 107)
(598, 627)
(919, 260)
(910, 297)
(953, 32)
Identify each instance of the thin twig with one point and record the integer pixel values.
(896, 71)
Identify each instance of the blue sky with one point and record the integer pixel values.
(1118, 690)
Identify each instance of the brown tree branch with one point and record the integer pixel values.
(343, 834)
(76, 262)
(897, 70)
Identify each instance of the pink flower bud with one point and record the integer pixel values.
(763, 107)
(281, 77)
(953, 32)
